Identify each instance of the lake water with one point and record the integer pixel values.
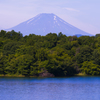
(72, 88)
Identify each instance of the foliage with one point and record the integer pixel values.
(90, 68)
(56, 54)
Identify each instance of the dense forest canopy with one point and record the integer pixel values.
(51, 55)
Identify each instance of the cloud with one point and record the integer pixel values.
(71, 9)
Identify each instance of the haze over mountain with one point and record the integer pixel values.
(45, 23)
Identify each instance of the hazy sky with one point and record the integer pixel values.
(83, 14)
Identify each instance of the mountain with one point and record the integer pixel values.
(45, 23)
(78, 35)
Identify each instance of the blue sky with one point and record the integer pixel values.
(83, 14)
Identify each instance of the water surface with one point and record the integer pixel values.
(72, 88)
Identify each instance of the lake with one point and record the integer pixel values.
(71, 88)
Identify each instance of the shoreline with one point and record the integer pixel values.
(22, 76)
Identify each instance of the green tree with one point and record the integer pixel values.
(2, 33)
(96, 56)
(90, 69)
(10, 47)
(20, 65)
(84, 54)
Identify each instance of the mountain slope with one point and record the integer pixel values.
(44, 23)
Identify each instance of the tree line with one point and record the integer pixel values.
(58, 55)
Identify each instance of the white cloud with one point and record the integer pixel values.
(71, 9)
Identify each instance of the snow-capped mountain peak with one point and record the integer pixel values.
(45, 23)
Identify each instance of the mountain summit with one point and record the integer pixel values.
(45, 23)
